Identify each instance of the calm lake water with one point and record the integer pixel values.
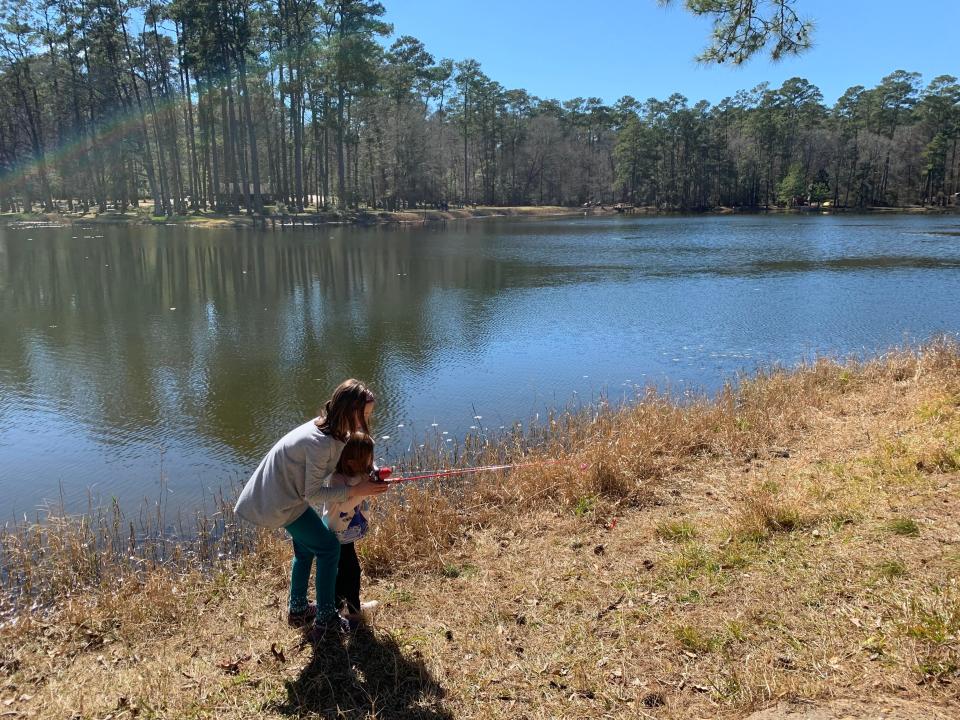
(131, 354)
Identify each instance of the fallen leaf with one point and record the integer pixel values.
(232, 667)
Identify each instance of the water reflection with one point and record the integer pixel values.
(134, 355)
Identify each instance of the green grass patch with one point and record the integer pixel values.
(585, 505)
(736, 630)
(907, 527)
(841, 518)
(400, 597)
(450, 570)
(702, 642)
(691, 597)
(891, 570)
(933, 623)
(896, 461)
(696, 641)
(735, 556)
(676, 530)
(940, 409)
(876, 644)
(694, 560)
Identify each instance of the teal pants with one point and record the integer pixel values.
(312, 539)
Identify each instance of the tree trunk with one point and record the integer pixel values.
(159, 202)
(284, 171)
(252, 139)
(341, 161)
(296, 100)
(192, 170)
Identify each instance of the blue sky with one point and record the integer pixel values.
(566, 48)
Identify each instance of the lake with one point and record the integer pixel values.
(136, 361)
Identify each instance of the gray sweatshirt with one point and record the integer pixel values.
(294, 475)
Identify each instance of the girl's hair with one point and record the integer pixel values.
(357, 454)
(343, 412)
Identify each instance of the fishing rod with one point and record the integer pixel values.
(386, 474)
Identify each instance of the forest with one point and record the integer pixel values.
(231, 106)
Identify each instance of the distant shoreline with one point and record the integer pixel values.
(357, 217)
(422, 216)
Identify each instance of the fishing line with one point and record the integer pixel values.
(464, 471)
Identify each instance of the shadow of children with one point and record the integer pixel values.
(368, 676)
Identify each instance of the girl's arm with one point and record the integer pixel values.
(321, 465)
(318, 492)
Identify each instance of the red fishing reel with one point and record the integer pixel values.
(382, 474)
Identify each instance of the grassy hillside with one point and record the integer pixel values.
(788, 549)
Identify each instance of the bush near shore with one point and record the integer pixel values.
(794, 539)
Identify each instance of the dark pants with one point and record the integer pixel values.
(348, 579)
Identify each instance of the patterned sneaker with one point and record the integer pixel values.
(304, 618)
(331, 629)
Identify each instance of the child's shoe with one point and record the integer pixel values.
(331, 629)
(357, 619)
(303, 618)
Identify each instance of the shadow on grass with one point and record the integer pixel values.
(368, 676)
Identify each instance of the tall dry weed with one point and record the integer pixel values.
(764, 510)
(415, 531)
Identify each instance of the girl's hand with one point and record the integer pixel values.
(367, 488)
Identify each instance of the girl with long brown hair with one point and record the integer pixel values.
(295, 476)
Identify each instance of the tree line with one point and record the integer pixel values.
(233, 106)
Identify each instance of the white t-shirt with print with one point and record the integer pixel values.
(348, 520)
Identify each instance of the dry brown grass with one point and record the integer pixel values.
(796, 538)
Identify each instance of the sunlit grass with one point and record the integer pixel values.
(668, 556)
